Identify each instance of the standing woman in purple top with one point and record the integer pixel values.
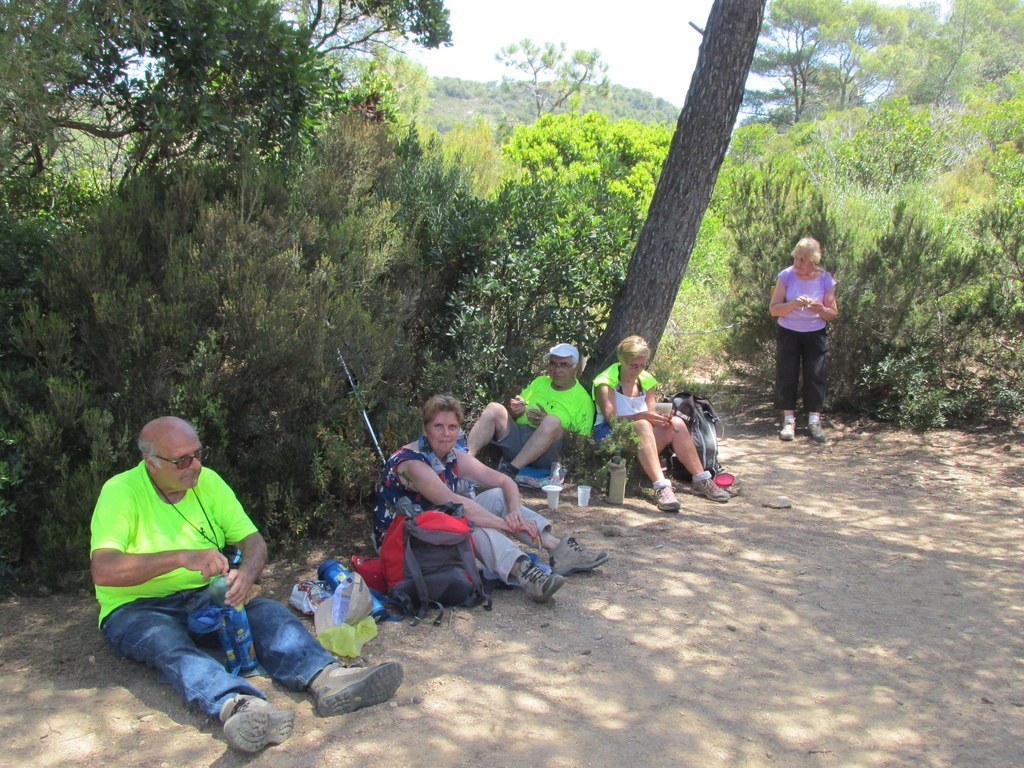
(804, 300)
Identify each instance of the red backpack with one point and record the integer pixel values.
(426, 560)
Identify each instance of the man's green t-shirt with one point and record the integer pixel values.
(131, 517)
(573, 406)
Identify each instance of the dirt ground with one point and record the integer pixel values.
(876, 622)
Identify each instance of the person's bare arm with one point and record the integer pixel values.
(112, 568)
(418, 477)
(472, 468)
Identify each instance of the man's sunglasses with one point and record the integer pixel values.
(186, 461)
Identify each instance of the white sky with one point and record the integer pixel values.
(646, 44)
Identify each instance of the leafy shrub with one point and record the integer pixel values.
(586, 461)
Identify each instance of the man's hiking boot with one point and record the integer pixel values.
(666, 499)
(709, 490)
(339, 689)
(788, 431)
(572, 557)
(817, 433)
(538, 585)
(252, 723)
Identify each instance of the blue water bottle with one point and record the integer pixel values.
(333, 572)
(236, 623)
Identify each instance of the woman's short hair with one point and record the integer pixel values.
(439, 403)
(633, 348)
(812, 246)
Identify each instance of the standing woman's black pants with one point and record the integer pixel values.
(796, 352)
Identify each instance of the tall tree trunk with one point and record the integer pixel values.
(688, 176)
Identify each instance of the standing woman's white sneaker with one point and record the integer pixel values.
(788, 431)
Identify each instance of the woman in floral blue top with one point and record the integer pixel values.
(427, 473)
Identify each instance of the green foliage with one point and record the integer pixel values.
(565, 226)
(908, 388)
(586, 460)
(825, 55)
(554, 80)
(158, 80)
(342, 28)
(223, 298)
(699, 319)
(453, 102)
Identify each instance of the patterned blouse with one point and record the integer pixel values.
(390, 488)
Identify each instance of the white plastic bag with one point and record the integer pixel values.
(307, 595)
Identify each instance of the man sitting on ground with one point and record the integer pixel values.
(529, 431)
(158, 531)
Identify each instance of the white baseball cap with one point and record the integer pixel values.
(563, 350)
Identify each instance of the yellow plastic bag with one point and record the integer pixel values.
(347, 639)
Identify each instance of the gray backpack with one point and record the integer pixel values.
(703, 423)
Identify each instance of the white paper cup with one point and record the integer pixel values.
(583, 495)
(665, 409)
(552, 491)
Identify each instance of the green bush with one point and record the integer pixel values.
(223, 296)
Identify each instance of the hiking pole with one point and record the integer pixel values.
(366, 416)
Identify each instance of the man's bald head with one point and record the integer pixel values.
(162, 430)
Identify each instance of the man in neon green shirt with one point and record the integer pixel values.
(158, 535)
(529, 431)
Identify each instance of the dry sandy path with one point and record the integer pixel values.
(878, 622)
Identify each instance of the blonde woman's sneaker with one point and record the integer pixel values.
(709, 490)
(817, 433)
(572, 557)
(788, 431)
(339, 689)
(252, 723)
(666, 499)
(538, 585)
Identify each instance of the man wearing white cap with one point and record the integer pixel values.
(529, 431)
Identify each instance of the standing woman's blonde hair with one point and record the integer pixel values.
(812, 246)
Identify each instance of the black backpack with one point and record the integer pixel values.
(703, 423)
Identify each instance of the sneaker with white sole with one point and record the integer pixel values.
(709, 490)
(252, 723)
(817, 433)
(788, 431)
(538, 585)
(338, 690)
(572, 557)
(666, 499)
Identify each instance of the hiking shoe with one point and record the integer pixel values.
(666, 499)
(572, 557)
(709, 490)
(817, 433)
(537, 585)
(339, 689)
(252, 723)
(788, 431)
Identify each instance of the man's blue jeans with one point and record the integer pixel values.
(155, 632)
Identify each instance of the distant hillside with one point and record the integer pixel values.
(454, 101)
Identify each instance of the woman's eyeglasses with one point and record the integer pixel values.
(186, 461)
